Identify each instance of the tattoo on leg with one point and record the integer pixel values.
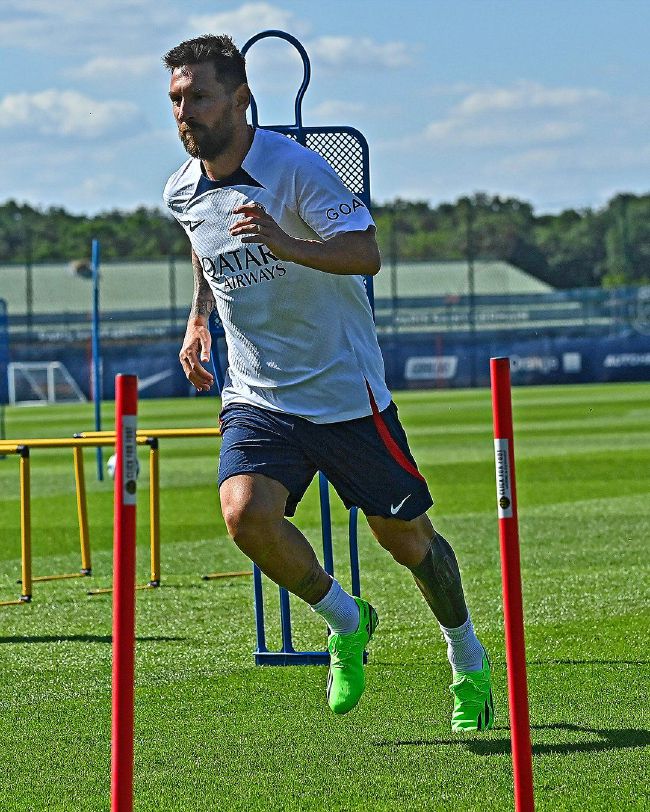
(438, 579)
(310, 586)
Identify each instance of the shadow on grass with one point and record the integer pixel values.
(501, 662)
(587, 662)
(83, 638)
(609, 740)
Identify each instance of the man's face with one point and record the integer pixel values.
(204, 110)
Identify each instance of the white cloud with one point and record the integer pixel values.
(524, 96)
(555, 145)
(471, 133)
(243, 22)
(329, 51)
(63, 113)
(524, 113)
(88, 175)
(20, 32)
(109, 67)
(592, 158)
(335, 109)
(72, 27)
(339, 52)
(534, 161)
(72, 8)
(92, 187)
(450, 89)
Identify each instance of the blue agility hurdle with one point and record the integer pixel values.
(97, 389)
(346, 150)
(287, 655)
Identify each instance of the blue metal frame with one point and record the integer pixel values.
(4, 353)
(97, 361)
(4, 367)
(300, 132)
(288, 655)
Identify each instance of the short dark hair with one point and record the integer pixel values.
(229, 63)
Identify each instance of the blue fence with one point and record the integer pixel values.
(426, 361)
(565, 337)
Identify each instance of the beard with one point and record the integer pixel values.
(206, 143)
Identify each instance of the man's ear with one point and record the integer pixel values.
(243, 97)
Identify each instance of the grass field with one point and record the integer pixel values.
(215, 732)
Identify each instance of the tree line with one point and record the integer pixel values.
(576, 248)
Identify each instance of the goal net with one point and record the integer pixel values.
(34, 384)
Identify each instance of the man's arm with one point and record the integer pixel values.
(352, 252)
(197, 341)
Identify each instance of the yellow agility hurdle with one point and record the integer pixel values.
(154, 505)
(25, 520)
(151, 437)
(93, 439)
(22, 447)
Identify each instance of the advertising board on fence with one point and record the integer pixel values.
(410, 363)
(579, 336)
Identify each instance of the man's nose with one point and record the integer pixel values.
(184, 112)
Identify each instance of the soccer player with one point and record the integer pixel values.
(281, 246)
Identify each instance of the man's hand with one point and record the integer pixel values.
(258, 226)
(351, 252)
(196, 345)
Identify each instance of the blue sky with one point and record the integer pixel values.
(546, 100)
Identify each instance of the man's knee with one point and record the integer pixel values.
(407, 542)
(245, 520)
(252, 510)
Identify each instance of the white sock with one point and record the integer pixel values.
(339, 610)
(464, 650)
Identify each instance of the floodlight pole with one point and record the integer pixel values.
(97, 372)
(522, 761)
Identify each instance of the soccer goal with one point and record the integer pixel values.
(41, 383)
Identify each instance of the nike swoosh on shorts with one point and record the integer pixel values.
(395, 510)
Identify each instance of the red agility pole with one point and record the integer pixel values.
(522, 761)
(126, 407)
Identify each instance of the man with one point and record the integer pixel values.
(280, 245)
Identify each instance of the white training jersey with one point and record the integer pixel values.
(300, 341)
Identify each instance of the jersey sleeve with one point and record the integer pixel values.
(324, 201)
(179, 188)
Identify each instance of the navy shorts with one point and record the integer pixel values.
(367, 460)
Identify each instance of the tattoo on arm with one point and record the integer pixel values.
(203, 298)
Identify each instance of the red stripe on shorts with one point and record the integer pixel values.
(393, 449)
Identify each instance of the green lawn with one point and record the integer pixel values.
(215, 732)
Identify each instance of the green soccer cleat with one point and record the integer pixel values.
(346, 679)
(473, 703)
